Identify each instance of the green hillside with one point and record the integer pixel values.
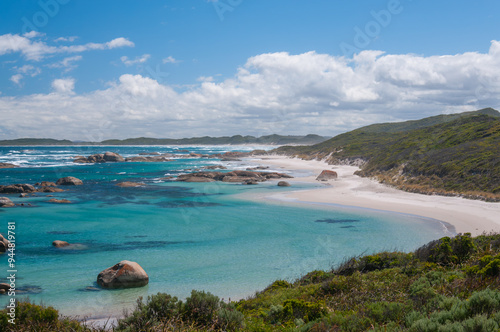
(457, 154)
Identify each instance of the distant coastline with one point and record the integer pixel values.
(206, 140)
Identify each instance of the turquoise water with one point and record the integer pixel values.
(185, 235)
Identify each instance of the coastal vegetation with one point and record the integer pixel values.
(455, 154)
(450, 284)
(206, 140)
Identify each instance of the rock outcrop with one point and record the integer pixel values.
(327, 175)
(148, 159)
(4, 288)
(69, 181)
(129, 184)
(7, 165)
(60, 244)
(17, 189)
(99, 158)
(4, 244)
(5, 202)
(233, 176)
(125, 274)
(283, 184)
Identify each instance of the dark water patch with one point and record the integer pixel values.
(90, 289)
(90, 247)
(62, 232)
(185, 204)
(347, 227)
(136, 236)
(336, 221)
(28, 289)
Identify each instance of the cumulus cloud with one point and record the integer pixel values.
(271, 93)
(36, 50)
(138, 60)
(16, 78)
(63, 85)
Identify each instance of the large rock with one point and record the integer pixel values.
(5, 202)
(125, 274)
(327, 175)
(4, 244)
(283, 184)
(113, 157)
(17, 189)
(69, 181)
(4, 288)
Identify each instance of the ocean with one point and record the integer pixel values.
(186, 236)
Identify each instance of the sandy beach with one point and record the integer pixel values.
(464, 215)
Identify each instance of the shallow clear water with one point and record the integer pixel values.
(185, 235)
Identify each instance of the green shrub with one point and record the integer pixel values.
(299, 309)
(157, 310)
(33, 317)
(201, 308)
(385, 312)
(422, 292)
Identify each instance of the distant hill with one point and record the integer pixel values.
(447, 154)
(36, 141)
(225, 140)
(206, 140)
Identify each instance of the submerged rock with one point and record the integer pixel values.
(60, 244)
(125, 274)
(5, 202)
(327, 175)
(69, 181)
(128, 184)
(55, 200)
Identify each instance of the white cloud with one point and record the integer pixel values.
(37, 50)
(66, 39)
(67, 63)
(205, 79)
(26, 70)
(16, 78)
(170, 59)
(142, 59)
(64, 85)
(270, 93)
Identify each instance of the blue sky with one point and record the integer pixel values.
(86, 69)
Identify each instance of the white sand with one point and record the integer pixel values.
(348, 189)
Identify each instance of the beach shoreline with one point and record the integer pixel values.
(349, 190)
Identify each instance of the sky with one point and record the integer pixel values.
(93, 70)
